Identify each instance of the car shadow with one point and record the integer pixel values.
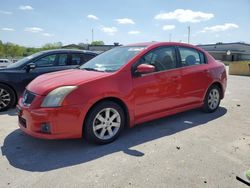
(27, 153)
(10, 112)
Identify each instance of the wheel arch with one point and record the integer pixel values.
(219, 85)
(118, 101)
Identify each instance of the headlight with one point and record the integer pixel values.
(55, 97)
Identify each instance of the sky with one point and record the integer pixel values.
(34, 23)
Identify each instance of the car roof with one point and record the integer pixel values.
(69, 50)
(158, 44)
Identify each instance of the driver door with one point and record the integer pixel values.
(158, 91)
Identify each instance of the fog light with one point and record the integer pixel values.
(45, 128)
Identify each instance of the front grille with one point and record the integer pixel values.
(22, 121)
(28, 97)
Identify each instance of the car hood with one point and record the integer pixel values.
(3, 69)
(45, 83)
(4, 65)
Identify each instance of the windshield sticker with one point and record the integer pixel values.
(135, 49)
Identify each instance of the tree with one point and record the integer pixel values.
(58, 44)
(54, 45)
(10, 50)
(97, 42)
(83, 46)
(1, 51)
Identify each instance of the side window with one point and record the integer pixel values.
(77, 59)
(162, 58)
(47, 61)
(88, 57)
(191, 57)
(62, 59)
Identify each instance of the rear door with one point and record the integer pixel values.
(195, 75)
(77, 59)
(158, 91)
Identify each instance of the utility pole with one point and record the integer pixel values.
(188, 34)
(92, 34)
(170, 35)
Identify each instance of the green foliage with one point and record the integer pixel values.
(10, 50)
(97, 42)
(49, 46)
(248, 174)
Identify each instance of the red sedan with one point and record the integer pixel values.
(120, 88)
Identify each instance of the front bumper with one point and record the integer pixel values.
(65, 122)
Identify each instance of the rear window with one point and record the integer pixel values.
(77, 59)
(190, 56)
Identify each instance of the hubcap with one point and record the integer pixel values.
(4, 98)
(106, 123)
(213, 99)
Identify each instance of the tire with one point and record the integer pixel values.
(212, 99)
(7, 97)
(104, 123)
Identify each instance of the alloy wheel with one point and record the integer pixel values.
(106, 123)
(213, 99)
(5, 98)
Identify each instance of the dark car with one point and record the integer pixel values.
(15, 77)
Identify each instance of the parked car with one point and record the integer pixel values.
(15, 77)
(14, 60)
(120, 88)
(4, 62)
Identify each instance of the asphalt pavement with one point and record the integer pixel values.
(190, 149)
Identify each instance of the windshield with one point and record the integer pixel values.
(24, 60)
(113, 59)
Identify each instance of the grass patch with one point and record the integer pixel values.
(248, 174)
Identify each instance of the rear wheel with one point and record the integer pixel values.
(7, 97)
(104, 123)
(212, 99)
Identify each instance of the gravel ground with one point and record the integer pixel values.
(191, 149)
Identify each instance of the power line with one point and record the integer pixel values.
(188, 34)
(92, 31)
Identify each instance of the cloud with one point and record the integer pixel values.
(109, 30)
(218, 28)
(7, 29)
(125, 21)
(168, 27)
(47, 34)
(33, 29)
(26, 7)
(90, 16)
(5, 12)
(183, 16)
(134, 32)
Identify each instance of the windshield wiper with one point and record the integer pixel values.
(92, 69)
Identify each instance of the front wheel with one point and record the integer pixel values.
(212, 99)
(104, 123)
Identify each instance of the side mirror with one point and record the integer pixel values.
(145, 68)
(30, 66)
